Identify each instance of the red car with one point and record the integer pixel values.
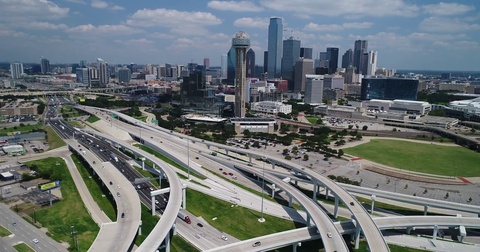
(225, 173)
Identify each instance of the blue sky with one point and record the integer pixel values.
(408, 34)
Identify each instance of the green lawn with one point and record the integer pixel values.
(147, 174)
(148, 223)
(22, 247)
(239, 222)
(141, 118)
(426, 158)
(69, 211)
(24, 129)
(75, 124)
(99, 193)
(393, 248)
(54, 141)
(93, 119)
(312, 119)
(4, 232)
(181, 245)
(68, 111)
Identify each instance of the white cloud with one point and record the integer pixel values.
(242, 6)
(169, 18)
(336, 27)
(99, 4)
(440, 24)
(45, 26)
(261, 23)
(104, 30)
(117, 8)
(330, 37)
(18, 10)
(77, 1)
(344, 8)
(446, 9)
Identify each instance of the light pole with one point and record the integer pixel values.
(188, 152)
(73, 233)
(261, 219)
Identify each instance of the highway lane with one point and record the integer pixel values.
(25, 232)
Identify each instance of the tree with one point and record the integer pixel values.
(305, 157)
(319, 121)
(365, 127)
(288, 157)
(340, 153)
(350, 126)
(285, 151)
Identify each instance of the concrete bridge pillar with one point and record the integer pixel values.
(174, 227)
(249, 158)
(335, 209)
(167, 242)
(315, 190)
(357, 236)
(153, 205)
(308, 219)
(184, 196)
(153, 165)
(226, 152)
(273, 166)
(289, 201)
(295, 245)
(327, 191)
(425, 210)
(140, 228)
(208, 146)
(435, 232)
(373, 203)
(143, 164)
(409, 229)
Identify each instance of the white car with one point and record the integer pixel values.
(35, 241)
(224, 238)
(329, 235)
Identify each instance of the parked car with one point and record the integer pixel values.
(256, 244)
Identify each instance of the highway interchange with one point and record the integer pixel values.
(101, 148)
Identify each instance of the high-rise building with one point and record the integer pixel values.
(313, 89)
(347, 59)
(302, 68)
(360, 48)
(332, 57)
(306, 52)
(291, 53)
(223, 65)
(250, 63)
(350, 75)
(45, 66)
(83, 76)
(265, 61)
(372, 63)
(388, 88)
(206, 63)
(241, 42)
(103, 74)
(275, 43)
(231, 65)
(16, 69)
(124, 75)
(82, 63)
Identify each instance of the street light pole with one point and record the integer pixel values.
(263, 189)
(73, 233)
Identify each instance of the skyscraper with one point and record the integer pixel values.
(275, 37)
(291, 53)
(83, 76)
(16, 69)
(332, 57)
(103, 75)
(241, 42)
(231, 65)
(306, 52)
(302, 68)
(360, 48)
(250, 63)
(224, 65)
(265, 61)
(124, 75)
(347, 58)
(206, 63)
(313, 88)
(45, 66)
(372, 63)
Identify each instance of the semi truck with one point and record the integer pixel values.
(113, 157)
(184, 217)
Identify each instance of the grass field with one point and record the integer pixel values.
(100, 194)
(312, 120)
(54, 141)
(68, 212)
(75, 124)
(425, 158)
(22, 247)
(181, 245)
(4, 232)
(393, 248)
(240, 222)
(148, 223)
(93, 119)
(24, 129)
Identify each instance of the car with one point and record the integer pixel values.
(352, 204)
(35, 241)
(329, 235)
(196, 157)
(118, 194)
(231, 174)
(111, 183)
(139, 187)
(225, 238)
(123, 215)
(220, 169)
(200, 224)
(225, 173)
(256, 244)
(151, 188)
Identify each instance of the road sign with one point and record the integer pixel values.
(154, 121)
(114, 115)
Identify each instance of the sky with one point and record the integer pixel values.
(408, 34)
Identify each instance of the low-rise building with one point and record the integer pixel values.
(253, 124)
(271, 107)
(19, 108)
(14, 150)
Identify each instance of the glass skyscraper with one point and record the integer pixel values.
(275, 47)
(360, 48)
(389, 88)
(231, 65)
(291, 53)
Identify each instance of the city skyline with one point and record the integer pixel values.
(430, 35)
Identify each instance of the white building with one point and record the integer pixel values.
(271, 107)
(399, 106)
(16, 69)
(372, 63)
(314, 89)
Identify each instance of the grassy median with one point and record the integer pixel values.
(54, 141)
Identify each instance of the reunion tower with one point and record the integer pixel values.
(241, 42)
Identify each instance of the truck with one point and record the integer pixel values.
(184, 217)
(113, 157)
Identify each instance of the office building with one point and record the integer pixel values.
(360, 48)
(45, 66)
(265, 61)
(332, 57)
(250, 63)
(16, 70)
(231, 65)
(223, 65)
(333, 82)
(372, 63)
(291, 53)
(350, 75)
(302, 68)
(206, 63)
(313, 89)
(347, 59)
(388, 88)
(103, 75)
(275, 50)
(83, 76)
(124, 75)
(306, 52)
(271, 107)
(241, 42)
